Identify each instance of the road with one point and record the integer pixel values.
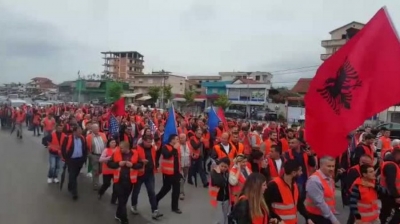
(26, 198)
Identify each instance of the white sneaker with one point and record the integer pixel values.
(55, 180)
(134, 210)
(49, 180)
(89, 175)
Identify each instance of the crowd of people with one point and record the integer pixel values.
(255, 173)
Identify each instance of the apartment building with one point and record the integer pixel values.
(141, 83)
(262, 77)
(339, 37)
(194, 83)
(123, 65)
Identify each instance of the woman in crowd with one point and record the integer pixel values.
(107, 172)
(219, 189)
(251, 207)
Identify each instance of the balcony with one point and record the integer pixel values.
(325, 56)
(135, 73)
(136, 65)
(333, 43)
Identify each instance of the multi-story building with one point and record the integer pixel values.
(39, 85)
(141, 83)
(261, 77)
(194, 83)
(248, 93)
(123, 65)
(339, 37)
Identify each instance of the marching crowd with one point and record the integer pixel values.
(255, 173)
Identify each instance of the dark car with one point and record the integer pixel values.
(264, 115)
(394, 129)
(235, 114)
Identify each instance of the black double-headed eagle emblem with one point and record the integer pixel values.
(338, 91)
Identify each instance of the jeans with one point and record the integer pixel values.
(36, 129)
(149, 182)
(197, 168)
(107, 179)
(54, 166)
(222, 211)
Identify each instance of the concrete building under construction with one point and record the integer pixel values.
(123, 65)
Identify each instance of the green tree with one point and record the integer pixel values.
(167, 92)
(115, 91)
(222, 101)
(154, 92)
(189, 97)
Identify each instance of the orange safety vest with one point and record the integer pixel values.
(55, 144)
(368, 203)
(329, 196)
(182, 130)
(305, 158)
(239, 149)
(236, 190)
(220, 152)
(89, 140)
(206, 140)
(142, 156)
(383, 177)
(386, 146)
(218, 134)
(194, 153)
(213, 192)
(117, 156)
(167, 165)
(246, 140)
(285, 145)
(259, 219)
(368, 151)
(273, 170)
(287, 209)
(268, 143)
(105, 170)
(49, 124)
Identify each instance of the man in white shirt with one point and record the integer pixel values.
(185, 161)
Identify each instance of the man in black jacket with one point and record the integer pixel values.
(74, 152)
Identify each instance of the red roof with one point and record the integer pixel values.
(302, 85)
(40, 79)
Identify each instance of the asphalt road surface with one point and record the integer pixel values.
(26, 198)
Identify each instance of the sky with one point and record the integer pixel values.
(56, 39)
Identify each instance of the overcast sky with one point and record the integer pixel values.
(55, 39)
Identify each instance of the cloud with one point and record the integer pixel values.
(30, 48)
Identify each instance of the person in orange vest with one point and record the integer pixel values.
(55, 141)
(283, 198)
(304, 157)
(223, 149)
(389, 179)
(364, 201)
(106, 171)
(237, 176)
(362, 148)
(219, 189)
(20, 117)
(124, 163)
(36, 122)
(384, 143)
(272, 140)
(274, 163)
(234, 141)
(49, 123)
(171, 169)
(217, 133)
(252, 194)
(320, 199)
(147, 159)
(74, 152)
(196, 148)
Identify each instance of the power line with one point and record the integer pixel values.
(299, 68)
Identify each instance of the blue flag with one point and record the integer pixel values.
(170, 126)
(213, 119)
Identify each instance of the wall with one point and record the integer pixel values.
(177, 83)
(215, 90)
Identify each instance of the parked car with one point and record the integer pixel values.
(235, 114)
(394, 129)
(264, 115)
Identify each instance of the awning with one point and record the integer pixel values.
(144, 98)
(179, 99)
(199, 100)
(130, 95)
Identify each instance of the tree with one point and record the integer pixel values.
(154, 92)
(167, 90)
(189, 97)
(115, 91)
(222, 101)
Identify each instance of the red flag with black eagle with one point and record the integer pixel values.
(358, 81)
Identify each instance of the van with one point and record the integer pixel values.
(16, 102)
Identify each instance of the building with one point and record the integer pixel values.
(261, 77)
(39, 85)
(248, 93)
(213, 90)
(66, 90)
(88, 90)
(141, 83)
(122, 65)
(302, 85)
(339, 37)
(194, 83)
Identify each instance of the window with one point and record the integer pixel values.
(140, 82)
(334, 50)
(257, 78)
(182, 84)
(344, 36)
